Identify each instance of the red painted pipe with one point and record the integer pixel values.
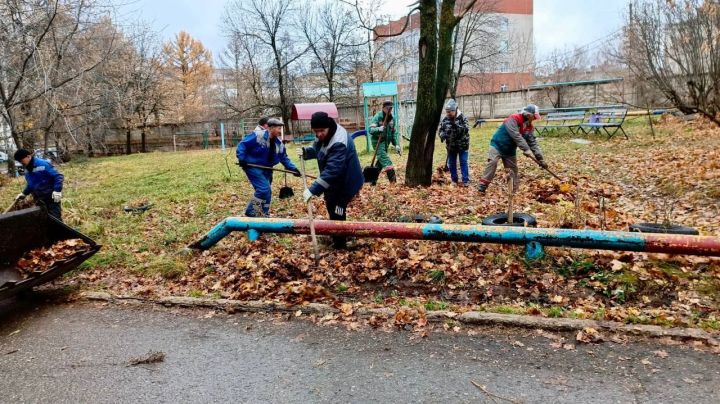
(588, 239)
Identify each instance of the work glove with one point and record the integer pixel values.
(307, 195)
(381, 128)
(443, 138)
(398, 150)
(543, 164)
(297, 173)
(56, 196)
(529, 154)
(20, 196)
(301, 153)
(243, 163)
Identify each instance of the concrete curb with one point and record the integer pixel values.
(471, 317)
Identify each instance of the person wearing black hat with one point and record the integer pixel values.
(340, 177)
(266, 149)
(382, 129)
(44, 182)
(516, 131)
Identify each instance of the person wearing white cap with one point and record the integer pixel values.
(516, 131)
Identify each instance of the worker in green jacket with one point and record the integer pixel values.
(384, 131)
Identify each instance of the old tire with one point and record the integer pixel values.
(519, 220)
(661, 228)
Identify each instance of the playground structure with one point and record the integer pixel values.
(303, 112)
(534, 239)
(373, 96)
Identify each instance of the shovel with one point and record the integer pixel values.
(547, 169)
(285, 191)
(280, 170)
(371, 173)
(11, 206)
(310, 215)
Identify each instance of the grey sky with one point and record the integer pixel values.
(557, 23)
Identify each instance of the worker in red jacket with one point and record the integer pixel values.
(516, 131)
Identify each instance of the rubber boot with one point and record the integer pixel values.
(391, 176)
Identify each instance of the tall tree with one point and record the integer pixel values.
(187, 65)
(331, 33)
(435, 68)
(242, 76)
(38, 55)
(674, 46)
(435, 64)
(475, 43)
(272, 23)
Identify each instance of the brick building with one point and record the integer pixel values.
(511, 68)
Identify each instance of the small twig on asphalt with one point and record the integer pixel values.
(493, 396)
(150, 357)
(11, 352)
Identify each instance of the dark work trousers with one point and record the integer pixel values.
(53, 208)
(337, 210)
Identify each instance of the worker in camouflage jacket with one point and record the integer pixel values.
(385, 131)
(455, 132)
(516, 131)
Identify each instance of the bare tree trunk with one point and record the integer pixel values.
(142, 141)
(422, 140)
(435, 68)
(650, 120)
(46, 135)
(91, 151)
(128, 134)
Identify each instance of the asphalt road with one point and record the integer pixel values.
(80, 353)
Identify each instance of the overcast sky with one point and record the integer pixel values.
(557, 23)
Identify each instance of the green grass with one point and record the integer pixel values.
(437, 275)
(191, 191)
(554, 312)
(433, 305)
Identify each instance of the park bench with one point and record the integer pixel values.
(304, 139)
(561, 120)
(605, 119)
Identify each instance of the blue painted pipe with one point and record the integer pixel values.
(533, 238)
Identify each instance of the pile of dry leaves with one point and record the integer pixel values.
(605, 190)
(44, 258)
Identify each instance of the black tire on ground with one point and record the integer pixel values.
(661, 228)
(519, 219)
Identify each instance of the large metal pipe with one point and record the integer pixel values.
(533, 238)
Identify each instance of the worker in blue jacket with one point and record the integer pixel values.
(340, 176)
(44, 182)
(263, 147)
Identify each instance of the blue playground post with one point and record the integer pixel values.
(379, 89)
(222, 135)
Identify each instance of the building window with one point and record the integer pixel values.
(504, 24)
(504, 46)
